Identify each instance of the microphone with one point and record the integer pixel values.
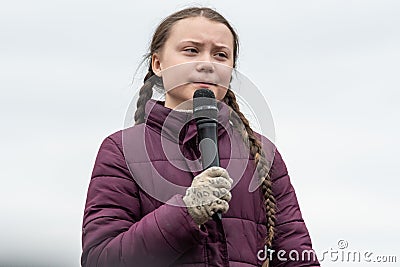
(205, 112)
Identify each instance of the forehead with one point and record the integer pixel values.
(201, 29)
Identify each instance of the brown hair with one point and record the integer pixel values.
(159, 38)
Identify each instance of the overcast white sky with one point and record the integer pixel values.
(328, 69)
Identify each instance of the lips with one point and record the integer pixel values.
(205, 83)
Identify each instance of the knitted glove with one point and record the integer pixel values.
(208, 194)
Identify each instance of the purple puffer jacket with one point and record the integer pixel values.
(135, 216)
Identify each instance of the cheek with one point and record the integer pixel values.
(220, 92)
(172, 58)
(224, 74)
(175, 75)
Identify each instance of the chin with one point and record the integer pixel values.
(218, 91)
(185, 92)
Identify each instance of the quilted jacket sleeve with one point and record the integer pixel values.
(291, 234)
(115, 234)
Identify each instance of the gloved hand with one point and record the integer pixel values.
(208, 194)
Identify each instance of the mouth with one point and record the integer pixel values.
(204, 84)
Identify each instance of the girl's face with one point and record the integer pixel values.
(197, 54)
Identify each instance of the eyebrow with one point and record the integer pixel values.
(202, 44)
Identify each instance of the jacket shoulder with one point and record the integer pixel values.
(111, 157)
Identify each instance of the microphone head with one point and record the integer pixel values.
(204, 104)
(203, 92)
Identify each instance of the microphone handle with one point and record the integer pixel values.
(207, 133)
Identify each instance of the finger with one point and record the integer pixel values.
(227, 196)
(199, 179)
(220, 205)
(210, 201)
(221, 193)
(220, 182)
(216, 171)
(209, 210)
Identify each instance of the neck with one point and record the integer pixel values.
(186, 106)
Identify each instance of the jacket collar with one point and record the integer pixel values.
(179, 126)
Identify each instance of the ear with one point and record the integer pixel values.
(156, 64)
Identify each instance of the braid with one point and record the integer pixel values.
(145, 93)
(260, 161)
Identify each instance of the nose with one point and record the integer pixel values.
(205, 66)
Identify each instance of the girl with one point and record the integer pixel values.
(149, 203)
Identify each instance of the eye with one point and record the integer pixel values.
(190, 50)
(221, 55)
